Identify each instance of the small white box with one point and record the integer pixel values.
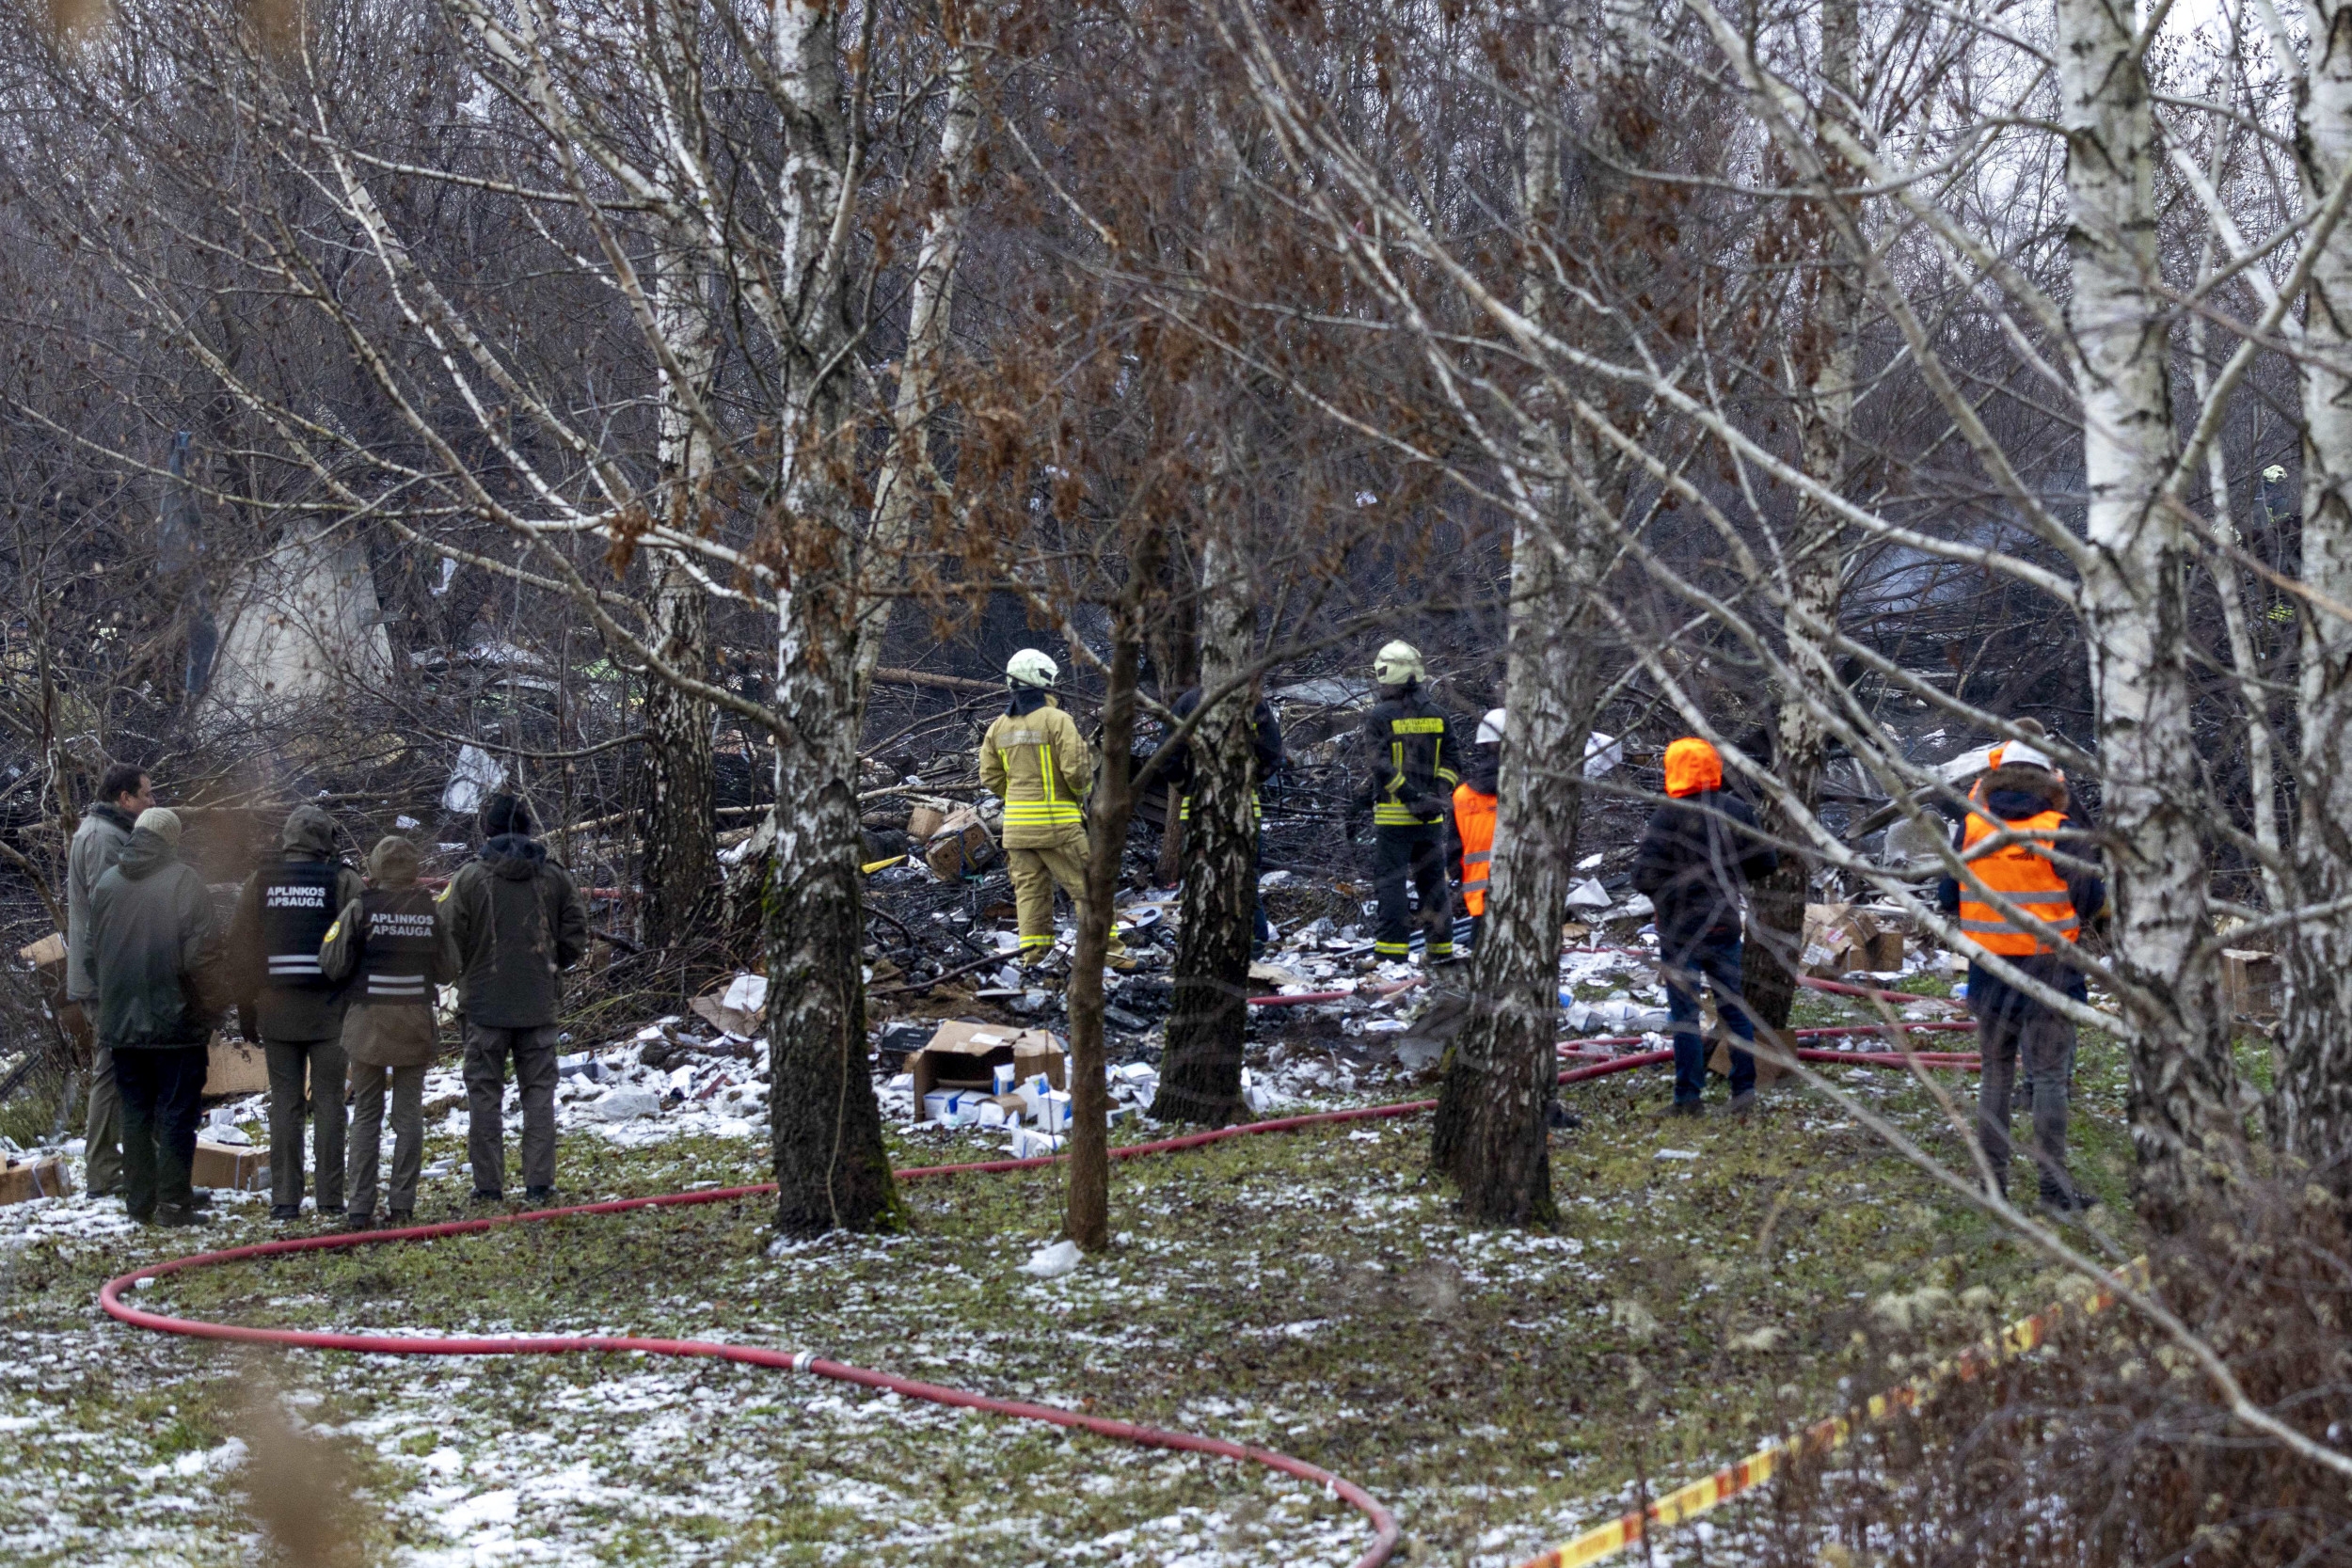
(1053, 1114)
(1033, 1093)
(1030, 1145)
(991, 1114)
(939, 1106)
(1004, 1072)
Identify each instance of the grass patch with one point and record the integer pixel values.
(1312, 1293)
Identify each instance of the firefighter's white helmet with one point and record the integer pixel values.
(1396, 664)
(1490, 728)
(1032, 668)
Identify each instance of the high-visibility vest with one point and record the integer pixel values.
(1474, 821)
(2022, 873)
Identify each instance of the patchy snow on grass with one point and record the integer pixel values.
(1312, 1293)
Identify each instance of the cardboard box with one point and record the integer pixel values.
(1855, 938)
(965, 1055)
(1767, 1074)
(959, 846)
(2250, 983)
(925, 816)
(237, 1167)
(46, 953)
(237, 1067)
(22, 1180)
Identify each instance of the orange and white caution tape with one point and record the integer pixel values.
(1711, 1492)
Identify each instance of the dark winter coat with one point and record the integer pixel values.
(515, 923)
(105, 829)
(288, 1012)
(156, 945)
(1695, 861)
(1414, 762)
(2014, 794)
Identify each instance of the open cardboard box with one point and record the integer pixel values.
(1857, 937)
(964, 1056)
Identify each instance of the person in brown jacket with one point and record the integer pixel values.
(389, 950)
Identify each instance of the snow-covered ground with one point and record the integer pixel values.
(1312, 1294)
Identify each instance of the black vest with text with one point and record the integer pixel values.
(297, 907)
(400, 958)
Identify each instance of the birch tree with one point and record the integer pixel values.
(2314, 1105)
(670, 207)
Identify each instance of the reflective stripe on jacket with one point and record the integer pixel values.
(1412, 765)
(2023, 874)
(1257, 808)
(1475, 825)
(1039, 765)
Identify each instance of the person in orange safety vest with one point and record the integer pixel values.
(2008, 841)
(1474, 817)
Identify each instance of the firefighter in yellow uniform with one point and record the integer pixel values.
(1034, 759)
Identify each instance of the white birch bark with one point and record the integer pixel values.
(1816, 561)
(1200, 1076)
(1492, 1135)
(831, 1169)
(2312, 1110)
(681, 865)
(2135, 614)
(904, 479)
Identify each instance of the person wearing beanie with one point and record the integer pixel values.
(515, 923)
(389, 949)
(1696, 859)
(281, 917)
(155, 953)
(123, 792)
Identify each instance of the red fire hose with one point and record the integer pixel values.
(1385, 1530)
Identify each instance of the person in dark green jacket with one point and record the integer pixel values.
(104, 829)
(274, 938)
(156, 948)
(515, 923)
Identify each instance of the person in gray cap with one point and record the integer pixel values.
(273, 938)
(156, 948)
